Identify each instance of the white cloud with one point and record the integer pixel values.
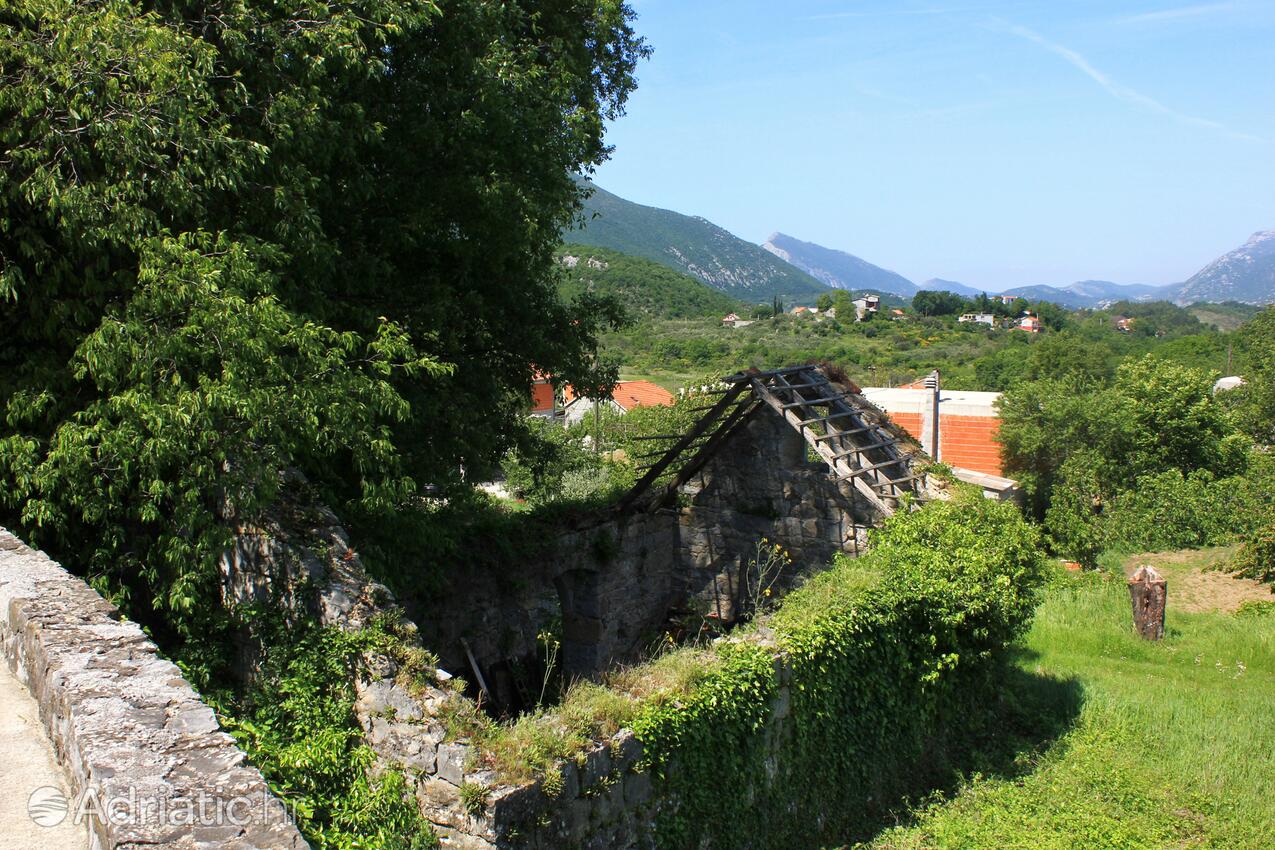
(1196, 11)
(1114, 88)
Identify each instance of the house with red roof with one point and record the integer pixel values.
(1030, 323)
(626, 396)
(544, 398)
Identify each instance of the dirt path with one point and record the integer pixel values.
(1195, 583)
(28, 766)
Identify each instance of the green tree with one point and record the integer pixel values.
(823, 302)
(1156, 416)
(938, 303)
(1254, 403)
(247, 238)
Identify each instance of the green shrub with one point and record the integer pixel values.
(297, 724)
(1256, 558)
(885, 656)
(1158, 512)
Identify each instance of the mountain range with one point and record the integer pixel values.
(799, 271)
(939, 285)
(837, 268)
(1246, 274)
(692, 245)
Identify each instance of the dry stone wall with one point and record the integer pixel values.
(610, 586)
(606, 799)
(144, 756)
(604, 586)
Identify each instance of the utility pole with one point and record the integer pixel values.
(932, 383)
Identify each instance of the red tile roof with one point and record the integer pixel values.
(631, 394)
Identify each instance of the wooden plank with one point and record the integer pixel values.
(845, 433)
(820, 448)
(860, 449)
(646, 455)
(802, 423)
(862, 469)
(702, 426)
(820, 383)
(836, 397)
(905, 479)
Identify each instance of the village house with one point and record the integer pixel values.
(865, 305)
(626, 396)
(1124, 324)
(980, 318)
(1030, 323)
(544, 399)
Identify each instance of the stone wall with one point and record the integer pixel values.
(606, 799)
(133, 736)
(762, 487)
(605, 588)
(608, 587)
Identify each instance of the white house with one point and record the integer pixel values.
(866, 304)
(980, 318)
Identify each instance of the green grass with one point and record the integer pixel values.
(1172, 746)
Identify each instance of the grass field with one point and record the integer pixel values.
(1169, 745)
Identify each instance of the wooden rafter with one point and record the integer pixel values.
(861, 452)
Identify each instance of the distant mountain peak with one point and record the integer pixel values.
(692, 245)
(1245, 274)
(938, 284)
(835, 268)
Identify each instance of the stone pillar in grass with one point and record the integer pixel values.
(1148, 591)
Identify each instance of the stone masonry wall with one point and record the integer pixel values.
(135, 739)
(762, 487)
(606, 585)
(603, 800)
(610, 586)
(604, 588)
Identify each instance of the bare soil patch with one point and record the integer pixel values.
(1197, 581)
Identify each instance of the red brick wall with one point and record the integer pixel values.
(910, 422)
(965, 441)
(541, 398)
(970, 442)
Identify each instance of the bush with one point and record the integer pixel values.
(554, 465)
(1167, 510)
(297, 724)
(885, 655)
(1256, 559)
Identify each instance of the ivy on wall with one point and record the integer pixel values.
(873, 664)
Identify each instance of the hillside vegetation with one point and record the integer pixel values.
(691, 245)
(970, 356)
(645, 289)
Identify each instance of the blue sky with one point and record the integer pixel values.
(997, 144)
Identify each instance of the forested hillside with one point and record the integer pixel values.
(691, 245)
(645, 289)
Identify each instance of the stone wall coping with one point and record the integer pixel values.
(146, 760)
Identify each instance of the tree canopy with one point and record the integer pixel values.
(241, 238)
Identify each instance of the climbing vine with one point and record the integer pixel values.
(872, 664)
